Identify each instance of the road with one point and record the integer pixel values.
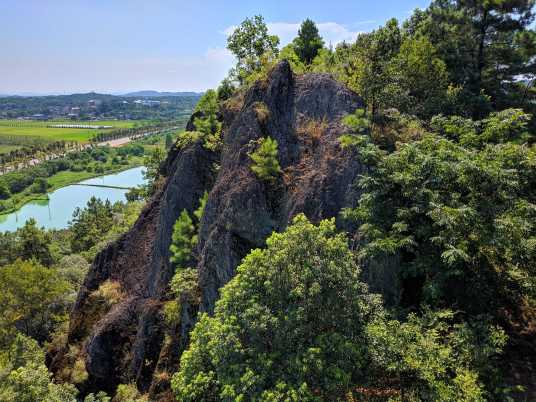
(111, 143)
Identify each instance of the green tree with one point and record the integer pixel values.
(34, 243)
(485, 44)
(419, 79)
(90, 224)
(366, 63)
(250, 43)
(272, 336)
(31, 299)
(265, 163)
(183, 240)
(308, 42)
(434, 357)
(4, 191)
(152, 164)
(225, 90)
(25, 378)
(461, 220)
(208, 123)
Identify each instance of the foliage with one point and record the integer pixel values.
(250, 43)
(152, 164)
(367, 64)
(109, 293)
(265, 164)
(359, 137)
(33, 243)
(433, 358)
(184, 286)
(462, 221)
(198, 213)
(289, 54)
(418, 79)
(208, 123)
(499, 127)
(271, 336)
(90, 224)
(128, 393)
(25, 378)
(226, 90)
(485, 46)
(183, 240)
(308, 42)
(31, 300)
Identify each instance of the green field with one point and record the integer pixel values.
(14, 130)
(4, 149)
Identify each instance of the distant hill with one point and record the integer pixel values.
(151, 94)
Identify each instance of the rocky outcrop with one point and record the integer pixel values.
(127, 343)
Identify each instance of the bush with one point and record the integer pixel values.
(265, 163)
(183, 240)
(271, 336)
(462, 221)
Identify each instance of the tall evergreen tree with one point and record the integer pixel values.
(308, 43)
(487, 46)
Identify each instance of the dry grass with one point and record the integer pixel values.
(262, 112)
(109, 292)
(79, 373)
(312, 130)
(235, 102)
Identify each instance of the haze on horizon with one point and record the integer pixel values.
(57, 47)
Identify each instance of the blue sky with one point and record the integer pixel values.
(65, 46)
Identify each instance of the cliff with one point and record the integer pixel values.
(129, 342)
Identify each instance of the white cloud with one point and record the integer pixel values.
(331, 32)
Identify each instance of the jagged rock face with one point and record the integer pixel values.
(242, 211)
(303, 113)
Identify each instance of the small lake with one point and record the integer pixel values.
(57, 211)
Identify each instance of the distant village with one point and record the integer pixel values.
(89, 113)
(84, 107)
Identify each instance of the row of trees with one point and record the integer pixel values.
(455, 57)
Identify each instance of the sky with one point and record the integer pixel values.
(117, 46)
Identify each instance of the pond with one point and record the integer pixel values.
(57, 211)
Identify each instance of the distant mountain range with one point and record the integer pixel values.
(149, 94)
(137, 94)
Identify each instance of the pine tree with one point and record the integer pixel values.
(183, 240)
(265, 163)
(308, 43)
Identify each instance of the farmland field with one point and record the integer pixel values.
(14, 132)
(4, 149)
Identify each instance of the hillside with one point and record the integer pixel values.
(152, 94)
(241, 213)
(341, 224)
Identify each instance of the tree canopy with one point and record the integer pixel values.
(308, 42)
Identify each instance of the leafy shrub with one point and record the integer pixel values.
(271, 336)
(462, 221)
(265, 163)
(433, 358)
(25, 378)
(30, 300)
